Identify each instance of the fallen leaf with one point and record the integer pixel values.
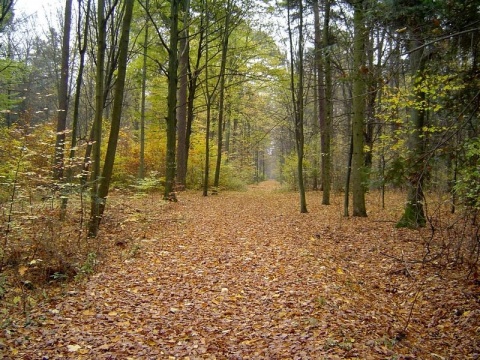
(22, 270)
(73, 348)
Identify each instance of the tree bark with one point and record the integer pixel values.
(414, 214)
(171, 118)
(82, 49)
(182, 109)
(141, 167)
(358, 120)
(297, 99)
(97, 122)
(221, 104)
(63, 95)
(117, 107)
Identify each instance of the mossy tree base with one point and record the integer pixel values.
(413, 217)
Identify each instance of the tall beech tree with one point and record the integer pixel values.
(297, 90)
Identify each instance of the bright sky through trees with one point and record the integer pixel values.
(42, 10)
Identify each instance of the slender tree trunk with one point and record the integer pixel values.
(192, 91)
(328, 132)
(63, 94)
(221, 105)
(208, 98)
(97, 122)
(141, 168)
(182, 109)
(117, 107)
(346, 200)
(297, 100)
(358, 121)
(82, 48)
(171, 119)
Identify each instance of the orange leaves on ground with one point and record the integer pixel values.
(244, 275)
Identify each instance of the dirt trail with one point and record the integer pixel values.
(246, 276)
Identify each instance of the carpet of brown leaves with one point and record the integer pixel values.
(246, 276)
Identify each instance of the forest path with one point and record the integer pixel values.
(246, 276)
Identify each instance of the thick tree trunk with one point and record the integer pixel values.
(414, 215)
(358, 120)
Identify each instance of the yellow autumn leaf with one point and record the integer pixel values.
(340, 271)
(22, 270)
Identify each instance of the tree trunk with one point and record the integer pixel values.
(171, 119)
(63, 95)
(221, 105)
(297, 100)
(182, 148)
(117, 107)
(322, 60)
(346, 200)
(141, 167)
(358, 120)
(414, 215)
(208, 98)
(192, 90)
(97, 122)
(82, 48)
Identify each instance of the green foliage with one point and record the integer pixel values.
(412, 218)
(234, 178)
(149, 184)
(468, 183)
(394, 115)
(88, 266)
(395, 171)
(289, 171)
(3, 285)
(12, 74)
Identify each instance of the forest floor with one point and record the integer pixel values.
(244, 275)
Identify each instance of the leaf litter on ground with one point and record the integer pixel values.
(246, 276)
